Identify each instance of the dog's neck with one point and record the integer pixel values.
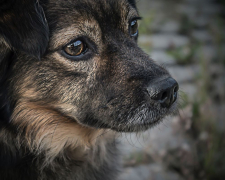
(97, 158)
(49, 132)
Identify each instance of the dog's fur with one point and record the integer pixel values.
(59, 115)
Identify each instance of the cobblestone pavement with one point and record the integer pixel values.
(174, 25)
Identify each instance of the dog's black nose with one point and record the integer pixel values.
(164, 91)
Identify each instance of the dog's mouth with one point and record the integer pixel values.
(144, 118)
(133, 119)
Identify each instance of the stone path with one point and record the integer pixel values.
(173, 24)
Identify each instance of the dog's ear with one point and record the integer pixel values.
(23, 26)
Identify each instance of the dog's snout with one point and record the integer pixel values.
(164, 91)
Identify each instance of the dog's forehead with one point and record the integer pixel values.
(68, 19)
(104, 11)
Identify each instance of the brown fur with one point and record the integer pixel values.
(48, 131)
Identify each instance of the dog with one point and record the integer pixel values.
(72, 77)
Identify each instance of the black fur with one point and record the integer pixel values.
(22, 28)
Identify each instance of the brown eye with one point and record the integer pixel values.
(134, 28)
(76, 48)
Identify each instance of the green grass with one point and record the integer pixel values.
(186, 25)
(145, 23)
(184, 55)
(211, 151)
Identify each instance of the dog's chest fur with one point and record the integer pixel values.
(99, 162)
(98, 169)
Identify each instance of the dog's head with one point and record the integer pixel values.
(93, 73)
(91, 77)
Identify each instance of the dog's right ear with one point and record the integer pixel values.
(23, 26)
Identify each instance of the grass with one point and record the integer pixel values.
(217, 30)
(186, 25)
(145, 24)
(211, 150)
(184, 55)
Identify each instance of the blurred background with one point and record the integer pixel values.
(188, 38)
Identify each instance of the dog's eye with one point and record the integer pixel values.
(76, 48)
(134, 28)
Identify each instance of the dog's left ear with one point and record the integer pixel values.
(23, 26)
